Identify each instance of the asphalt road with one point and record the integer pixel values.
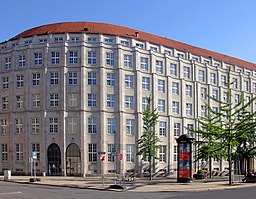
(29, 191)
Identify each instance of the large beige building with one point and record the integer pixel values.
(72, 90)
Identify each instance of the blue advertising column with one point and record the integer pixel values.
(184, 166)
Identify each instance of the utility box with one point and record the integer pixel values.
(7, 175)
(184, 158)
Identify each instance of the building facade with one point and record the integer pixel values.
(75, 92)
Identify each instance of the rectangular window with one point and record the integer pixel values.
(35, 100)
(201, 75)
(145, 83)
(225, 97)
(203, 93)
(173, 68)
(73, 57)
(128, 81)
(237, 98)
(144, 63)
(75, 39)
(35, 125)
(215, 111)
(8, 63)
(144, 103)
(176, 129)
(91, 125)
(92, 39)
(111, 79)
(186, 72)
(110, 59)
(92, 57)
(19, 152)
(130, 126)
(92, 78)
(55, 57)
(4, 126)
(213, 78)
(175, 88)
(161, 86)
(72, 100)
(5, 103)
(72, 125)
(111, 101)
(72, 78)
(92, 152)
(162, 128)
(128, 61)
(5, 81)
(203, 110)
(254, 87)
(18, 126)
(246, 86)
(175, 107)
(189, 90)
(4, 152)
(36, 148)
(188, 109)
(223, 80)
(53, 125)
(35, 79)
(22, 61)
(92, 100)
(54, 100)
(54, 78)
(162, 153)
(111, 126)
(111, 152)
(161, 105)
(190, 128)
(159, 66)
(125, 43)
(130, 153)
(215, 94)
(19, 81)
(58, 39)
(175, 153)
(108, 41)
(129, 102)
(19, 101)
(234, 82)
(38, 59)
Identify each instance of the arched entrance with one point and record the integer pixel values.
(54, 159)
(73, 160)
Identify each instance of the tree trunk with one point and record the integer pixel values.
(210, 167)
(229, 165)
(150, 168)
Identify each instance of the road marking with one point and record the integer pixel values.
(11, 193)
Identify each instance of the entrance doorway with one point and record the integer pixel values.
(54, 160)
(73, 160)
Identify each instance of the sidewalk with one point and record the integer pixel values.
(139, 185)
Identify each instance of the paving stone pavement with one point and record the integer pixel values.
(138, 185)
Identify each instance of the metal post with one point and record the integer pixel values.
(31, 167)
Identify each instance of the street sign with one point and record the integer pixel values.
(120, 156)
(102, 157)
(34, 155)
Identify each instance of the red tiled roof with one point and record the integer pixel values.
(109, 29)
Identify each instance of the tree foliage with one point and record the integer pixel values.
(223, 132)
(148, 142)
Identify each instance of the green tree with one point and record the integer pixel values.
(148, 142)
(222, 132)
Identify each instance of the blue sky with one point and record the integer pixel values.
(225, 26)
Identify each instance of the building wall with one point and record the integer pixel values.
(200, 77)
